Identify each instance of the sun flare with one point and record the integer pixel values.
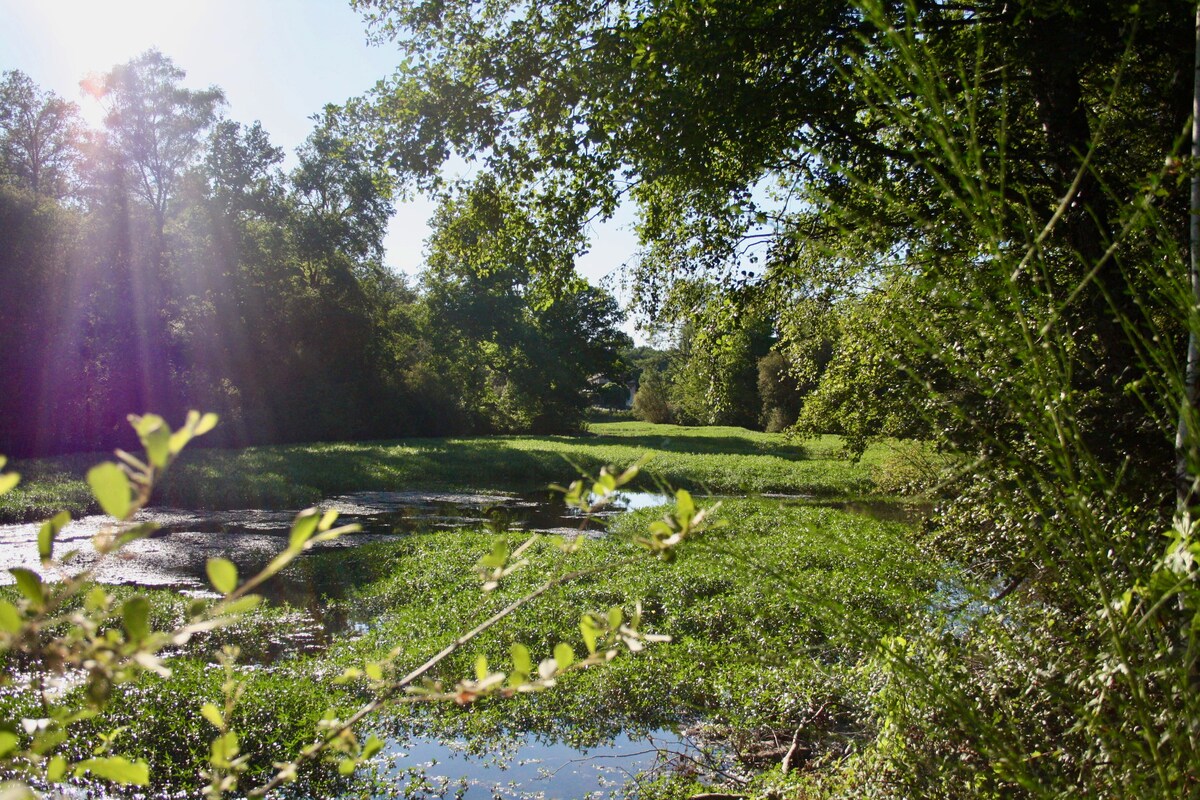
(90, 38)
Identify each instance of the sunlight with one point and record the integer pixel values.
(91, 37)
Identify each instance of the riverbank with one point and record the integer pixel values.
(774, 616)
(703, 460)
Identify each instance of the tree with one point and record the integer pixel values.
(985, 204)
(39, 136)
(714, 379)
(780, 394)
(342, 194)
(755, 146)
(521, 339)
(242, 168)
(650, 401)
(155, 127)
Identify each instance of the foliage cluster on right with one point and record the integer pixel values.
(966, 222)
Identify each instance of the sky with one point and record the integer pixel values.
(278, 61)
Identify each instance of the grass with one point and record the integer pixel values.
(771, 616)
(708, 460)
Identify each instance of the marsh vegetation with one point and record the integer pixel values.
(956, 242)
(751, 659)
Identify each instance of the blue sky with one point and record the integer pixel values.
(278, 61)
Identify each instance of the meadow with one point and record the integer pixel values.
(774, 615)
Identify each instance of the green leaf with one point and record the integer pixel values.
(56, 769)
(115, 769)
(685, 507)
(178, 441)
(206, 424)
(373, 670)
(135, 614)
(242, 604)
(156, 437)
(110, 485)
(304, 527)
(8, 742)
(158, 446)
(30, 584)
(222, 574)
(96, 599)
(347, 766)
(481, 667)
(587, 627)
(139, 531)
(660, 528)
(522, 663)
(224, 749)
(564, 656)
(49, 532)
(10, 618)
(498, 557)
(374, 745)
(615, 617)
(8, 480)
(213, 715)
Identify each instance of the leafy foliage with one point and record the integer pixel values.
(185, 267)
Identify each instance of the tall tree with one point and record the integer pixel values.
(343, 198)
(39, 136)
(155, 127)
(522, 340)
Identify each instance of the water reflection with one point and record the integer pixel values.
(528, 767)
(176, 555)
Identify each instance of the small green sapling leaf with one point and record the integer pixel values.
(110, 486)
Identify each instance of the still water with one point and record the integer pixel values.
(520, 766)
(527, 767)
(174, 557)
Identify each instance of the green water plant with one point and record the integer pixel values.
(68, 643)
(605, 634)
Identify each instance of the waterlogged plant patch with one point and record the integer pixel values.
(512, 632)
(176, 554)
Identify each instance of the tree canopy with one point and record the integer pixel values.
(185, 267)
(965, 222)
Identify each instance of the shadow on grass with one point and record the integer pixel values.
(707, 445)
(712, 460)
(302, 475)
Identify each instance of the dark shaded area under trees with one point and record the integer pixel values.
(167, 261)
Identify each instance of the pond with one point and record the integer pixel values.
(528, 767)
(175, 556)
(517, 767)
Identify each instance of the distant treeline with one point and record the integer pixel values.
(166, 261)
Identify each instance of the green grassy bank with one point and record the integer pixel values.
(707, 460)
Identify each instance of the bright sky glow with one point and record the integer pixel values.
(278, 61)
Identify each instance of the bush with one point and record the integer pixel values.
(650, 401)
